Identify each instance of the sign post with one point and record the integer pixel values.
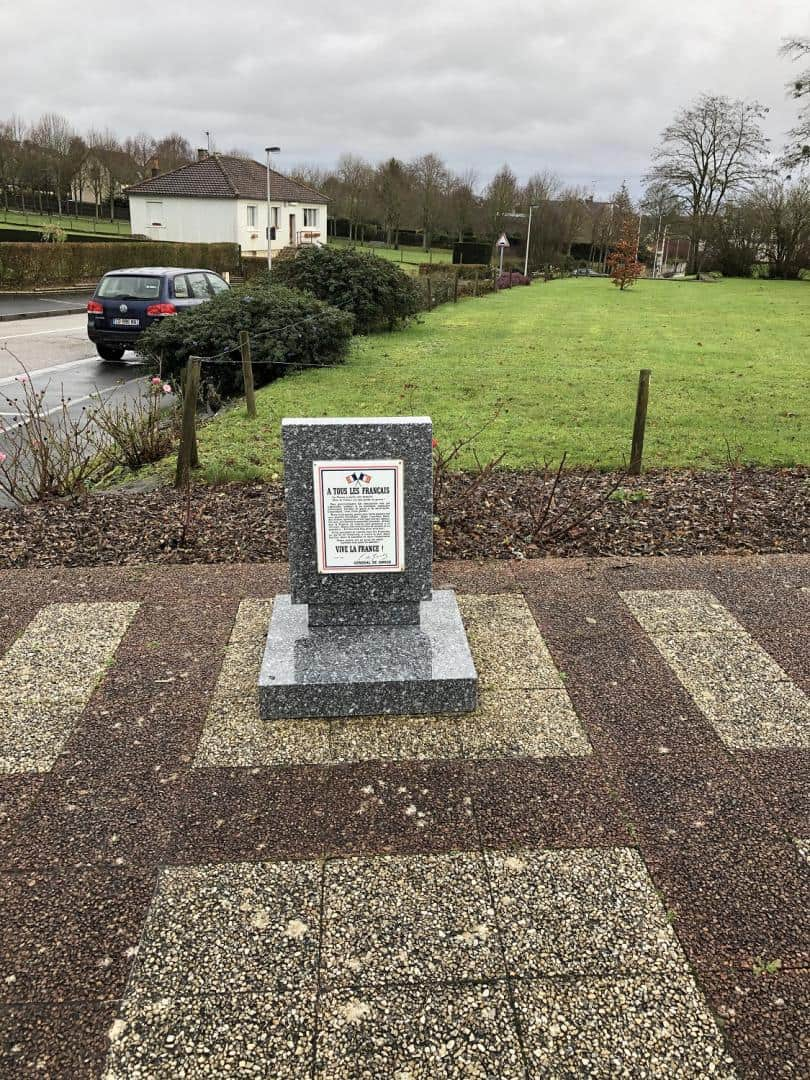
(502, 243)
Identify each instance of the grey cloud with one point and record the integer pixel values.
(581, 88)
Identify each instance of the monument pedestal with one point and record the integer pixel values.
(414, 670)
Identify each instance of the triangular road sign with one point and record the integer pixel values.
(502, 241)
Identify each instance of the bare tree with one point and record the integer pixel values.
(391, 191)
(797, 152)
(429, 177)
(53, 134)
(712, 150)
(464, 205)
(502, 197)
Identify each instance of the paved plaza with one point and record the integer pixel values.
(601, 872)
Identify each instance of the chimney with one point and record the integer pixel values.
(202, 153)
(155, 171)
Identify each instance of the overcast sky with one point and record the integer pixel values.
(581, 87)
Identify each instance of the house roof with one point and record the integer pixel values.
(221, 177)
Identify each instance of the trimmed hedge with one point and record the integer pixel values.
(25, 266)
(286, 328)
(376, 291)
(463, 271)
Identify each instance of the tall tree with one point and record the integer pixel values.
(429, 177)
(172, 151)
(53, 135)
(797, 151)
(501, 198)
(712, 150)
(391, 190)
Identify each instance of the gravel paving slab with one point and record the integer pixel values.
(395, 738)
(736, 902)
(405, 920)
(791, 650)
(782, 780)
(48, 675)
(764, 1019)
(400, 807)
(59, 1041)
(507, 647)
(666, 612)
(630, 1027)
(228, 815)
(757, 715)
(233, 1035)
(418, 1033)
(81, 822)
(684, 793)
(545, 803)
(248, 927)
(70, 935)
(523, 723)
(17, 796)
(584, 912)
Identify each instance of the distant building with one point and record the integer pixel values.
(224, 199)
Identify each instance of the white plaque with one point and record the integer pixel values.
(359, 520)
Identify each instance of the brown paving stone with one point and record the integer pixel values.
(673, 792)
(58, 1041)
(149, 710)
(475, 576)
(790, 648)
(81, 822)
(228, 815)
(69, 935)
(765, 1020)
(735, 902)
(17, 796)
(782, 780)
(547, 803)
(402, 807)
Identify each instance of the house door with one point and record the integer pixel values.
(292, 229)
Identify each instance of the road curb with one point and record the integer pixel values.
(14, 316)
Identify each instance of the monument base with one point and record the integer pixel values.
(315, 671)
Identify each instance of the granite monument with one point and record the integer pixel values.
(362, 632)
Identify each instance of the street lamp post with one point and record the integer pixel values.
(269, 150)
(528, 241)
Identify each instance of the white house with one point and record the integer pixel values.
(224, 199)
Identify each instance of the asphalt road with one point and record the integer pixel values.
(27, 305)
(61, 361)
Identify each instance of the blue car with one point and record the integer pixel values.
(127, 301)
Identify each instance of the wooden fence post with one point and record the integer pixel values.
(475, 282)
(429, 293)
(640, 424)
(455, 287)
(247, 373)
(187, 457)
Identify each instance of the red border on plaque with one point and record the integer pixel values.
(364, 568)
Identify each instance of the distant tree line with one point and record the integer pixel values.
(48, 165)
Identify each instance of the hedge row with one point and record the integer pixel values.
(24, 266)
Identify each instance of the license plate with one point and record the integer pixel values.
(126, 322)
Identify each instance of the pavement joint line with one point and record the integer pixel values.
(76, 401)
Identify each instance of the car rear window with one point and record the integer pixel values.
(129, 287)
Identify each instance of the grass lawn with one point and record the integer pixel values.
(404, 255)
(729, 362)
(35, 222)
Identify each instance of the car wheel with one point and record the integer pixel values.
(111, 353)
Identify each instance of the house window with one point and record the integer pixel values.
(154, 213)
(251, 217)
(310, 218)
(274, 216)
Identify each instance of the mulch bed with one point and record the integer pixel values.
(661, 513)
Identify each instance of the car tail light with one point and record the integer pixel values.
(95, 308)
(161, 309)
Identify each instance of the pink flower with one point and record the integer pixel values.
(155, 380)
(22, 378)
(166, 388)
(2, 457)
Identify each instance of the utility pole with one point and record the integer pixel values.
(528, 241)
(269, 150)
